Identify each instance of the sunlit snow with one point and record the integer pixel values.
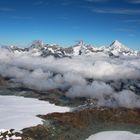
(19, 112)
(114, 135)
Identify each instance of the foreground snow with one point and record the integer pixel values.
(19, 112)
(114, 135)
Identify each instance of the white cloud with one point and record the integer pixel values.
(21, 17)
(97, 90)
(127, 99)
(98, 1)
(81, 76)
(117, 11)
(6, 9)
(134, 1)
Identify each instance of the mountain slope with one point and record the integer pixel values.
(117, 48)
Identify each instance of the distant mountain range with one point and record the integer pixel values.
(38, 48)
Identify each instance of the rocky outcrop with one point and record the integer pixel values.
(35, 132)
(85, 117)
(81, 124)
(9, 135)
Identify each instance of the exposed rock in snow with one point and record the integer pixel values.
(8, 135)
(38, 48)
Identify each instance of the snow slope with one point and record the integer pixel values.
(114, 135)
(19, 112)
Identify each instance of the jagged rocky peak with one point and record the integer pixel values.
(18, 49)
(79, 44)
(79, 48)
(38, 48)
(37, 44)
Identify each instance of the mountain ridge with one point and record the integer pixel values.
(38, 48)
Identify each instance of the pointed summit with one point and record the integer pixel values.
(117, 48)
(116, 45)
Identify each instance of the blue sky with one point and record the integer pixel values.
(97, 22)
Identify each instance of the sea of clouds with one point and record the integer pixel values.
(96, 76)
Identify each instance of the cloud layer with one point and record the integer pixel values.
(111, 82)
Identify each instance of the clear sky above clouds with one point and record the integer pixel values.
(97, 22)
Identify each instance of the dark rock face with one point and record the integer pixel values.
(3, 82)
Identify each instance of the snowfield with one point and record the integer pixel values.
(19, 112)
(114, 135)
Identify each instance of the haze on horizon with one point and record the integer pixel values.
(97, 22)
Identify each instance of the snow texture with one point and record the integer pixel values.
(19, 112)
(114, 135)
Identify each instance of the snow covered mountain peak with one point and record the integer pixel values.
(79, 48)
(116, 43)
(118, 46)
(38, 48)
